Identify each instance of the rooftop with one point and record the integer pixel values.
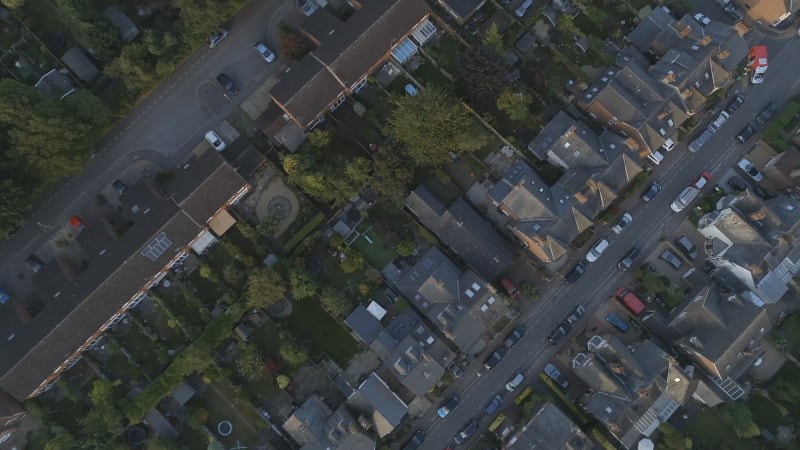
(376, 401)
(549, 429)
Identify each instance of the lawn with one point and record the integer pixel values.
(790, 330)
(765, 412)
(708, 431)
(791, 373)
(464, 171)
(141, 349)
(446, 51)
(192, 439)
(119, 365)
(67, 413)
(221, 406)
(430, 76)
(310, 321)
(373, 246)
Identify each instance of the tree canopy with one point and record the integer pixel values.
(265, 286)
(483, 74)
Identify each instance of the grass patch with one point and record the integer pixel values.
(309, 227)
(267, 339)
(223, 405)
(707, 430)
(119, 365)
(191, 438)
(790, 372)
(309, 320)
(765, 412)
(787, 114)
(789, 332)
(464, 172)
(430, 75)
(37, 439)
(67, 413)
(446, 51)
(141, 349)
(439, 186)
(379, 253)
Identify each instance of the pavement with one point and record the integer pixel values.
(163, 128)
(651, 221)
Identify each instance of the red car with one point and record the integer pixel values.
(630, 300)
(701, 180)
(511, 290)
(77, 223)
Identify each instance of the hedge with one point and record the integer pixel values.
(304, 232)
(576, 413)
(195, 357)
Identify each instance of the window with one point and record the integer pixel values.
(157, 246)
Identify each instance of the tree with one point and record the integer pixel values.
(493, 39)
(103, 394)
(334, 302)
(321, 138)
(265, 286)
(515, 102)
(671, 439)
(786, 391)
(739, 418)
(98, 424)
(282, 381)
(14, 204)
(293, 352)
(13, 4)
(303, 284)
(292, 45)
(250, 364)
(406, 247)
(233, 275)
(359, 171)
(353, 261)
(392, 175)
(483, 74)
(63, 441)
(432, 124)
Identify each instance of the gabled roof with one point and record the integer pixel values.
(375, 400)
(462, 10)
(658, 20)
(80, 65)
(364, 324)
(568, 143)
(471, 236)
(127, 29)
(410, 364)
(718, 328)
(316, 427)
(523, 195)
(550, 429)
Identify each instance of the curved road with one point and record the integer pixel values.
(650, 221)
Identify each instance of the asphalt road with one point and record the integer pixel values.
(164, 127)
(650, 220)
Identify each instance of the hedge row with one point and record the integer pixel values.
(305, 231)
(576, 413)
(195, 357)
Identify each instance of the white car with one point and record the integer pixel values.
(515, 382)
(668, 145)
(703, 20)
(622, 223)
(596, 251)
(523, 8)
(265, 53)
(213, 138)
(750, 170)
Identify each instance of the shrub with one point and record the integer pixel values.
(304, 232)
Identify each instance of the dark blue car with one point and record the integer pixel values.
(617, 321)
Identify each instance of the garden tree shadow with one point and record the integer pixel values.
(482, 74)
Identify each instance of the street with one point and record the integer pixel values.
(601, 278)
(163, 128)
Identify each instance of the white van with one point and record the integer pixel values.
(656, 157)
(685, 198)
(668, 145)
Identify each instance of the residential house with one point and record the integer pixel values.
(315, 426)
(11, 415)
(54, 84)
(721, 332)
(461, 10)
(80, 65)
(753, 240)
(346, 54)
(647, 33)
(768, 12)
(128, 30)
(127, 252)
(631, 390)
(461, 304)
(550, 429)
(782, 170)
(470, 235)
(627, 100)
(379, 409)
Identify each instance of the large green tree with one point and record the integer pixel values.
(392, 174)
(483, 74)
(293, 352)
(303, 284)
(515, 101)
(739, 418)
(335, 302)
(250, 364)
(432, 124)
(265, 286)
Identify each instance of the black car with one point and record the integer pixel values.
(746, 133)
(559, 333)
(767, 113)
(227, 83)
(415, 442)
(575, 273)
(627, 261)
(119, 186)
(514, 337)
(736, 103)
(466, 432)
(448, 406)
(34, 263)
(494, 358)
(456, 370)
(737, 183)
(651, 192)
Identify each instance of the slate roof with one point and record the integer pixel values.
(470, 235)
(459, 302)
(410, 364)
(87, 299)
(364, 324)
(462, 10)
(316, 427)
(715, 329)
(567, 142)
(650, 27)
(550, 429)
(80, 65)
(347, 52)
(375, 400)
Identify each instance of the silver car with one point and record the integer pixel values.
(265, 52)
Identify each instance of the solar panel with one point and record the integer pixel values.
(157, 246)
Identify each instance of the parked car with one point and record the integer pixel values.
(655, 157)
(466, 431)
(617, 322)
(119, 186)
(514, 382)
(701, 180)
(494, 404)
(597, 250)
(415, 442)
(448, 406)
(494, 358)
(559, 332)
(576, 314)
(575, 273)
(700, 141)
(668, 145)
(264, 52)
(514, 336)
(718, 122)
(630, 257)
(213, 138)
(737, 183)
(650, 193)
(630, 300)
(217, 36)
(733, 12)
(511, 290)
(672, 259)
(687, 247)
(456, 370)
(77, 223)
(735, 104)
(750, 169)
(523, 8)
(306, 7)
(228, 84)
(703, 20)
(766, 113)
(34, 263)
(551, 371)
(622, 223)
(746, 133)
